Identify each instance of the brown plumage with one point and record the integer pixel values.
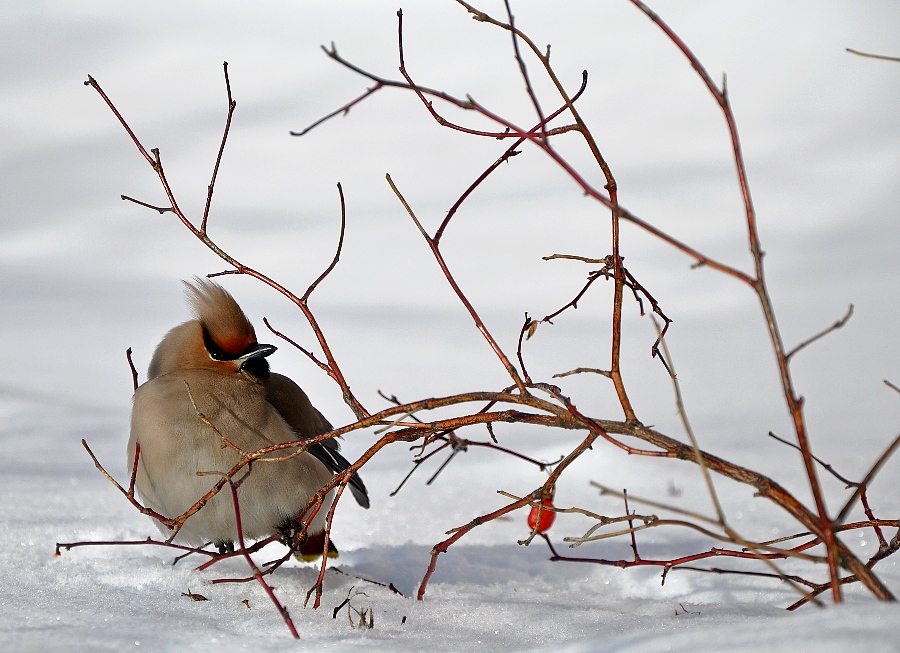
(216, 360)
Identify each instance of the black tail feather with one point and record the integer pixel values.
(333, 460)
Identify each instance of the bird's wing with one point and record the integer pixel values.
(294, 406)
(307, 422)
(328, 453)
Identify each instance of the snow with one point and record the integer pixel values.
(84, 275)
(501, 595)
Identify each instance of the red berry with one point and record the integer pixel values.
(547, 516)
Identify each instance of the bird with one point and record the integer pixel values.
(208, 381)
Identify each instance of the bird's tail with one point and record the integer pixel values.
(311, 549)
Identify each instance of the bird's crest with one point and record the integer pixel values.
(220, 315)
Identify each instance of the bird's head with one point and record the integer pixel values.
(219, 338)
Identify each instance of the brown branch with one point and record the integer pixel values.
(479, 324)
(513, 131)
(309, 354)
(749, 553)
(874, 523)
(818, 589)
(381, 82)
(794, 403)
(824, 465)
(612, 203)
(129, 494)
(450, 439)
(741, 572)
(837, 325)
(528, 329)
(646, 562)
(212, 183)
(256, 572)
(442, 547)
(218, 557)
(582, 370)
(573, 257)
(510, 152)
(134, 468)
(864, 500)
(337, 254)
(74, 545)
(334, 370)
(882, 459)
(544, 491)
(666, 357)
(342, 110)
(629, 282)
(93, 83)
(872, 56)
(160, 209)
(134, 372)
(634, 548)
(523, 69)
(328, 521)
(769, 489)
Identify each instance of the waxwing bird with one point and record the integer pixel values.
(213, 367)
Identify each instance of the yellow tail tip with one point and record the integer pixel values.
(311, 550)
(312, 557)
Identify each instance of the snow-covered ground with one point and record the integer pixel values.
(83, 276)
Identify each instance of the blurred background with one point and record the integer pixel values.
(84, 275)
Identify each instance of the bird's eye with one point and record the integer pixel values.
(215, 352)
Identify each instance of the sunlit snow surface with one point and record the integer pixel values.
(494, 594)
(83, 276)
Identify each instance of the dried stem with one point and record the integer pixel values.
(682, 413)
(134, 372)
(882, 459)
(794, 403)
(257, 574)
(872, 56)
(824, 465)
(337, 254)
(837, 325)
(212, 183)
(435, 250)
(155, 162)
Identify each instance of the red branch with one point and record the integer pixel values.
(256, 572)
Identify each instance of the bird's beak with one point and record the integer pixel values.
(256, 351)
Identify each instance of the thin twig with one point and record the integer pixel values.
(837, 325)
(134, 372)
(523, 69)
(337, 254)
(582, 370)
(212, 183)
(257, 574)
(794, 403)
(479, 324)
(867, 479)
(824, 465)
(872, 56)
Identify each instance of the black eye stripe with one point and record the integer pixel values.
(219, 354)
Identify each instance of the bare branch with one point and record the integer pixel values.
(834, 327)
(212, 183)
(872, 56)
